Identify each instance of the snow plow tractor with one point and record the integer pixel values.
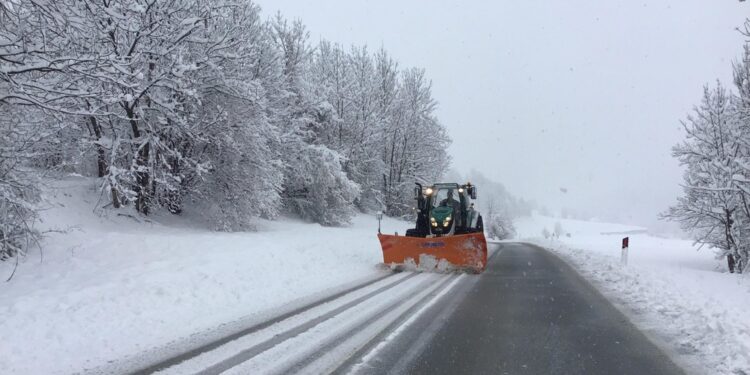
(449, 233)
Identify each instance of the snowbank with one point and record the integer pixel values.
(113, 287)
(681, 295)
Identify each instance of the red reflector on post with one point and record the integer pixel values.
(625, 242)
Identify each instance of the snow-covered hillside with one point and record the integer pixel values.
(112, 287)
(684, 296)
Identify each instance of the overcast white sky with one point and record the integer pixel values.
(539, 95)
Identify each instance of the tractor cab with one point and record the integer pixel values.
(446, 209)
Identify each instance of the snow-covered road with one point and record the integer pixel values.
(527, 311)
(326, 336)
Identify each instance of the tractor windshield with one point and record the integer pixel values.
(447, 197)
(441, 197)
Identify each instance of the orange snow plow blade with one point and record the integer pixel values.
(464, 251)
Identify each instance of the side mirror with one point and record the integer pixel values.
(473, 192)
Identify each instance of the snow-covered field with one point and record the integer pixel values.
(111, 287)
(682, 296)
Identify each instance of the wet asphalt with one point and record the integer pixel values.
(528, 313)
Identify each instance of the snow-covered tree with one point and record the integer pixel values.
(711, 207)
(26, 91)
(740, 123)
(193, 105)
(315, 184)
(501, 226)
(18, 189)
(415, 143)
(493, 197)
(246, 174)
(715, 206)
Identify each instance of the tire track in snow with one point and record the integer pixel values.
(267, 332)
(347, 347)
(328, 337)
(373, 346)
(185, 356)
(329, 345)
(296, 330)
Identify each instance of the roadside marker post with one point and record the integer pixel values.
(624, 253)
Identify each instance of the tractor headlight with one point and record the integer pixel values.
(433, 222)
(447, 221)
(428, 191)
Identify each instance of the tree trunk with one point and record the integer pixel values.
(101, 161)
(142, 179)
(115, 198)
(174, 195)
(101, 154)
(142, 175)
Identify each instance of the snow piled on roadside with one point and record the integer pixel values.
(112, 287)
(682, 296)
(427, 263)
